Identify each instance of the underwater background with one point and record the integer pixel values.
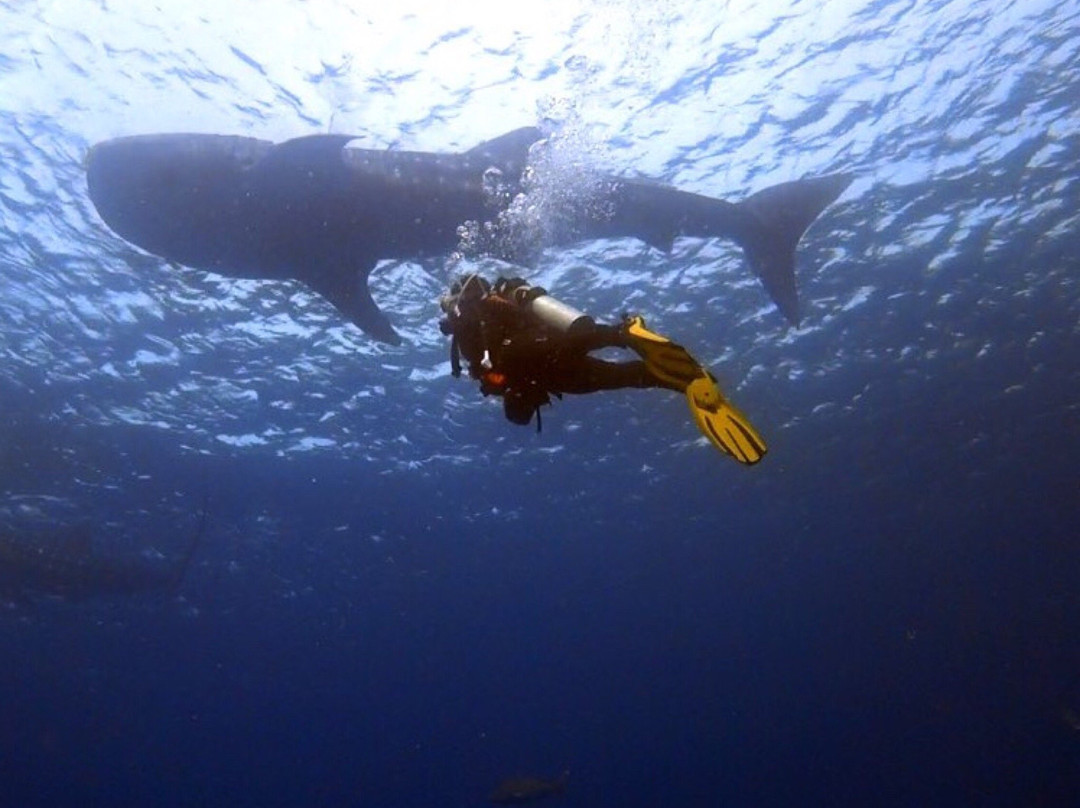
(400, 599)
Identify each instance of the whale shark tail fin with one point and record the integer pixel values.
(782, 214)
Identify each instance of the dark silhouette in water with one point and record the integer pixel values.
(312, 210)
(520, 790)
(65, 563)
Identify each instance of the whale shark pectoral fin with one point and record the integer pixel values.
(349, 293)
(664, 241)
(509, 151)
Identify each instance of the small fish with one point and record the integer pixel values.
(519, 790)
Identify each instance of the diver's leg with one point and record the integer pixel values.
(591, 375)
(595, 338)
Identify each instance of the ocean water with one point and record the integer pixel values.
(398, 598)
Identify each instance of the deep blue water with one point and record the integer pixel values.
(400, 599)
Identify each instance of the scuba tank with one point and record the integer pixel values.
(538, 304)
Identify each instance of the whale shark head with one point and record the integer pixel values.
(156, 191)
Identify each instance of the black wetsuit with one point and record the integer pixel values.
(526, 362)
(560, 363)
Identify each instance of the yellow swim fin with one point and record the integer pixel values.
(719, 421)
(666, 360)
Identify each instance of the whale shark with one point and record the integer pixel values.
(521, 790)
(319, 210)
(66, 563)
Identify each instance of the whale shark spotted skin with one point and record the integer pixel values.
(318, 210)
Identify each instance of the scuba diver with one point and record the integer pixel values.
(525, 346)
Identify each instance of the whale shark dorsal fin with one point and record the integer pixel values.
(307, 150)
(509, 150)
